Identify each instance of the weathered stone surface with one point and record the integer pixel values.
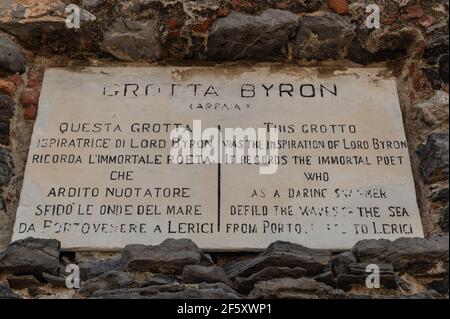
(169, 257)
(441, 195)
(93, 269)
(6, 107)
(26, 20)
(436, 57)
(22, 282)
(339, 6)
(443, 68)
(356, 275)
(433, 77)
(193, 274)
(31, 21)
(436, 46)
(246, 284)
(434, 158)
(133, 40)
(385, 39)
(241, 36)
(31, 256)
(412, 255)
(175, 291)
(7, 87)
(37, 291)
(322, 37)
(443, 221)
(55, 281)
(434, 111)
(318, 103)
(428, 294)
(359, 53)
(414, 12)
(288, 288)
(109, 281)
(6, 113)
(11, 59)
(6, 293)
(285, 254)
(308, 5)
(340, 263)
(4, 132)
(327, 278)
(441, 286)
(159, 279)
(91, 3)
(5, 169)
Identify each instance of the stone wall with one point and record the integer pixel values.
(413, 41)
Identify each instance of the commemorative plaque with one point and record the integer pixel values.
(233, 158)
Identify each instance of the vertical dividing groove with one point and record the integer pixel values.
(219, 176)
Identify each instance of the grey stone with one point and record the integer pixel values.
(7, 293)
(22, 282)
(159, 279)
(327, 278)
(413, 255)
(173, 291)
(5, 169)
(433, 77)
(358, 52)
(91, 3)
(193, 274)
(241, 36)
(109, 281)
(204, 291)
(11, 59)
(6, 107)
(133, 40)
(436, 46)
(31, 256)
(55, 281)
(308, 5)
(434, 158)
(440, 196)
(340, 263)
(289, 288)
(356, 275)
(6, 113)
(4, 132)
(284, 254)
(434, 112)
(93, 269)
(37, 291)
(428, 294)
(169, 257)
(441, 286)
(443, 68)
(321, 37)
(443, 222)
(245, 285)
(386, 39)
(39, 25)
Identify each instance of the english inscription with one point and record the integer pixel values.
(101, 171)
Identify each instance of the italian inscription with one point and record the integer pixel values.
(107, 164)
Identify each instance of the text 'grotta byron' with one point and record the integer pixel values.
(231, 158)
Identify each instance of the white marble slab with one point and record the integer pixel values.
(344, 172)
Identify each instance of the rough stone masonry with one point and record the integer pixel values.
(412, 40)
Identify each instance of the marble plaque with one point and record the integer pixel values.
(232, 157)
